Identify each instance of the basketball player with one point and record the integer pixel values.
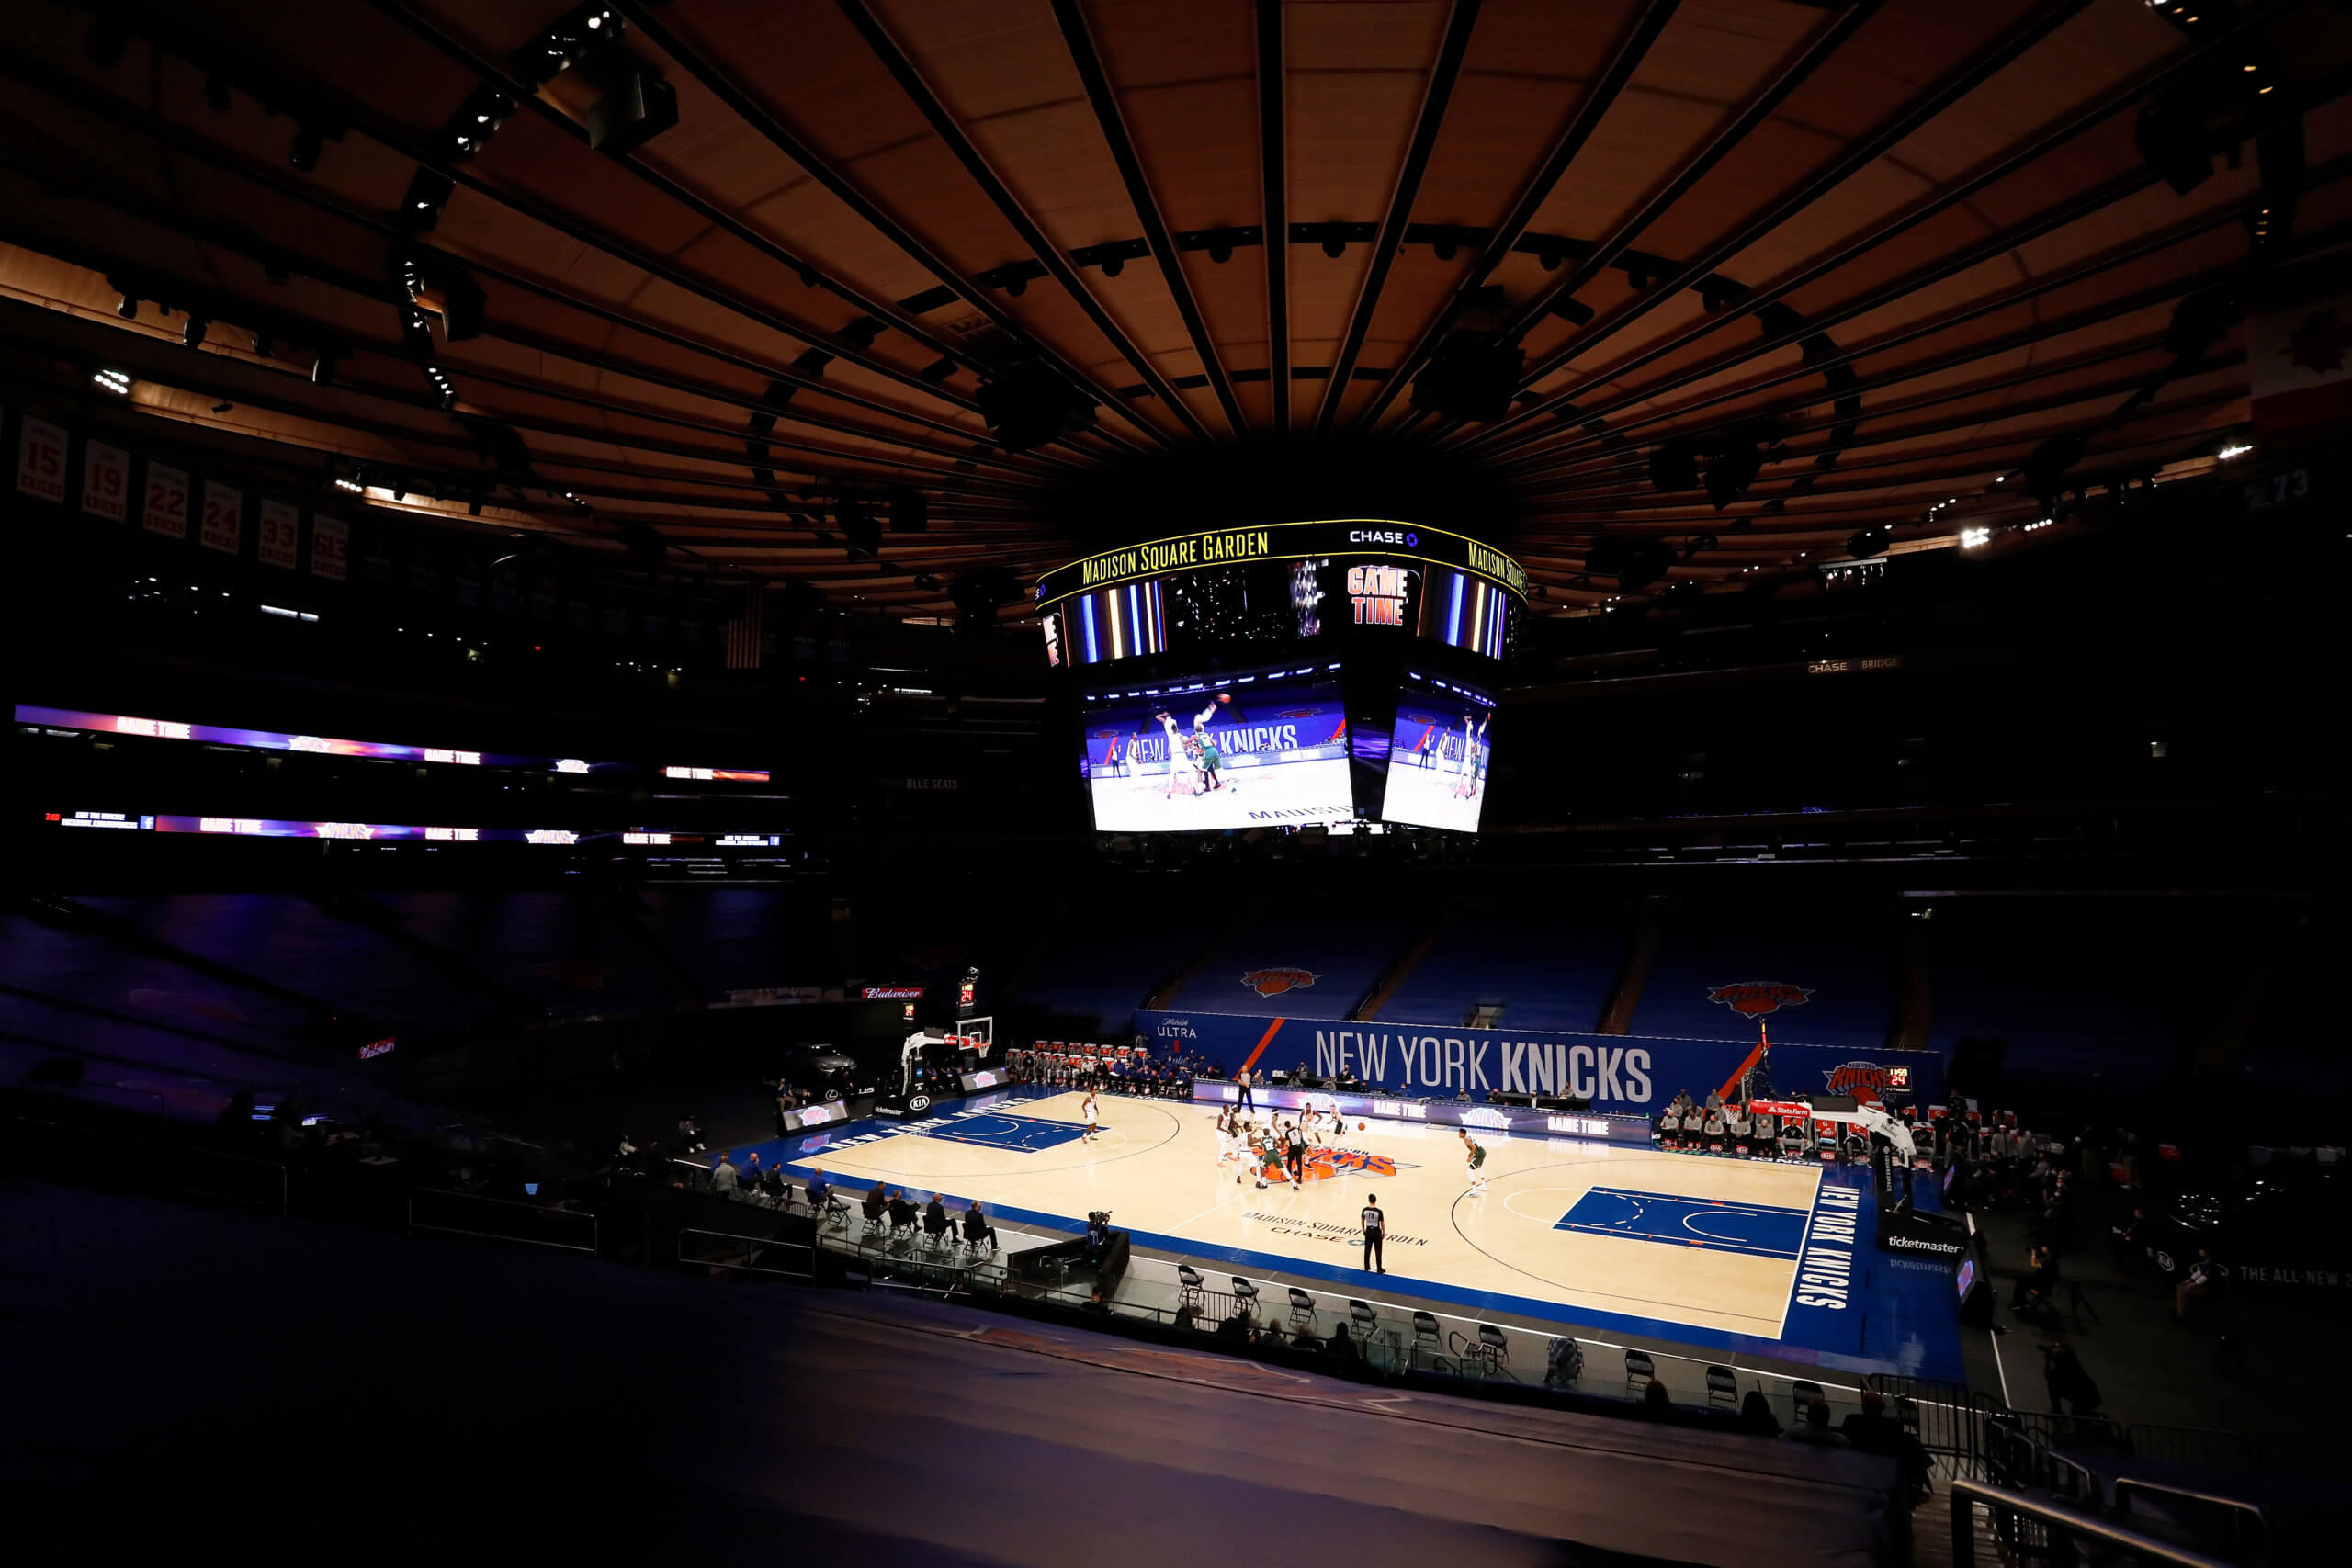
(1257, 1156)
(1224, 1136)
(1111, 759)
(1175, 753)
(1092, 1116)
(1375, 1225)
(1204, 744)
(1478, 1161)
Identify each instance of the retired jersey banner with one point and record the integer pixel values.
(41, 460)
(106, 481)
(281, 529)
(1621, 1073)
(224, 517)
(165, 511)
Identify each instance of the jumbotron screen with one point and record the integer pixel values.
(1257, 590)
(1437, 755)
(1254, 750)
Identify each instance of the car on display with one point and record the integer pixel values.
(2264, 1227)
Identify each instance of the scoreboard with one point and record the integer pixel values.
(1280, 674)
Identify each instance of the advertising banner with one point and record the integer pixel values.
(1626, 1073)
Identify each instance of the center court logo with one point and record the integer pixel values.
(1322, 1164)
(1275, 982)
(1754, 998)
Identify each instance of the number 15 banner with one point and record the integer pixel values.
(41, 460)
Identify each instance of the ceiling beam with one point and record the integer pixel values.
(1049, 255)
(1106, 103)
(772, 129)
(1947, 196)
(1444, 74)
(1630, 51)
(1273, 178)
(2066, 213)
(1971, 74)
(637, 165)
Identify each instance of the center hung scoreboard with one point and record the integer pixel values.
(1332, 673)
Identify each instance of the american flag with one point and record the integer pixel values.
(743, 630)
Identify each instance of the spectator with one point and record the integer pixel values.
(976, 1228)
(820, 1192)
(902, 1213)
(1235, 1330)
(690, 1136)
(1658, 1404)
(934, 1217)
(772, 1184)
(752, 1172)
(722, 1175)
(1341, 1346)
(1096, 1304)
(877, 1198)
(1814, 1429)
(1871, 1431)
(1756, 1414)
(1188, 1317)
(626, 1148)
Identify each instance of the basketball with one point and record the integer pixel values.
(1359, 1126)
(1224, 696)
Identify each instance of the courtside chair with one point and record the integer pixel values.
(1362, 1320)
(1493, 1350)
(1639, 1371)
(1722, 1388)
(1302, 1308)
(1426, 1337)
(1804, 1392)
(1245, 1293)
(1188, 1285)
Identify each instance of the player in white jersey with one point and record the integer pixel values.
(1465, 773)
(1175, 753)
(1094, 1117)
(1223, 1134)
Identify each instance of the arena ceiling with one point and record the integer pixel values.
(1863, 265)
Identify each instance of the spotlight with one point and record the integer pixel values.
(115, 381)
(1975, 538)
(322, 368)
(128, 309)
(2226, 453)
(193, 333)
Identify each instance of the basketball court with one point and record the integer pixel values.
(1753, 1255)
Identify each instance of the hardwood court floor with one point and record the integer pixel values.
(1710, 1244)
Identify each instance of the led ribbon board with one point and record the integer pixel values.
(1283, 541)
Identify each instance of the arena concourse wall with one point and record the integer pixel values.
(1626, 1073)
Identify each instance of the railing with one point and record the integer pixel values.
(736, 1252)
(499, 1219)
(185, 1170)
(2010, 1510)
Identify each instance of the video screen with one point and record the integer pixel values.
(1437, 756)
(1248, 752)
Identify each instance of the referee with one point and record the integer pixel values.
(1374, 1225)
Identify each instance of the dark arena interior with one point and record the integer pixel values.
(747, 785)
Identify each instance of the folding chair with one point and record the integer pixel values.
(1804, 1391)
(1188, 1285)
(1426, 1336)
(1302, 1308)
(1640, 1370)
(1722, 1388)
(1493, 1350)
(1245, 1293)
(1362, 1320)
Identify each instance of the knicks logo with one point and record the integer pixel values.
(1275, 982)
(1866, 1081)
(1753, 998)
(1322, 1164)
